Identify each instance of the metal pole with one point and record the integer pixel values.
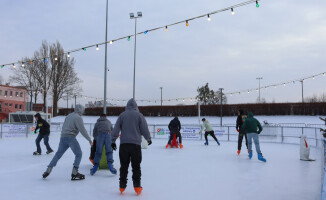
(259, 78)
(161, 100)
(47, 108)
(67, 100)
(105, 60)
(133, 95)
(302, 90)
(221, 95)
(75, 100)
(199, 113)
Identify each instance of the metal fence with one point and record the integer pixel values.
(270, 133)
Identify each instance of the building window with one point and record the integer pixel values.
(17, 94)
(10, 105)
(20, 106)
(21, 94)
(10, 93)
(6, 93)
(0, 92)
(6, 104)
(16, 106)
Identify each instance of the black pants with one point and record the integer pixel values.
(93, 150)
(178, 135)
(240, 138)
(127, 153)
(210, 133)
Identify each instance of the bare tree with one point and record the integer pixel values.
(1, 80)
(24, 76)
(64, 78)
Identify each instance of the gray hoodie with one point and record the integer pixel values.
(103, 125)
(132, 125)
(74, 124)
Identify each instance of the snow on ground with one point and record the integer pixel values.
(211, 119)
(195, 172)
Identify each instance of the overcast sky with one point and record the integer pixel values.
(279, 41)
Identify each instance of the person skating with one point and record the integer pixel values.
(174, 127)
(44, 133)
(133, 126)
(253, 128)
(102, 132)
(241, 118)
(208, 131)
(72, 125)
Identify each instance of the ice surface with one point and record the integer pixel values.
(195, 172)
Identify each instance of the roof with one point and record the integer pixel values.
(14, 87)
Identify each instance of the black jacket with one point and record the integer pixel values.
(175, 125)
(43, 125)
(240, 120)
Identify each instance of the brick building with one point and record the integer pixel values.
(12, 99)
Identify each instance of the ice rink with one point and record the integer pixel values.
(195, 172)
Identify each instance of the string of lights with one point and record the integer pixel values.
(165, 27)
(193, 99)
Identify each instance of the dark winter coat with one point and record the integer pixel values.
(251, 124)
(175, 125)
(132, 125)
(103, 125)
(240, 120)
(43, 125)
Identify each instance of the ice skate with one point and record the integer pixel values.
(111, 168)
(48, 152)
(261, 158)
(250, 154)
(35, 153)
(167, 146)
(122, 190)
(181, 146)
(206, 143)
(238, 152)
(218, 143)
(47, 172)
(138, 190)
(94, 169)
(75, 175)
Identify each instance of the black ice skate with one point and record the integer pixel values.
(48, 152)
(35, 153)
(47, 172)
(75, 175)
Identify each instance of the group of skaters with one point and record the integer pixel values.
(130, 126)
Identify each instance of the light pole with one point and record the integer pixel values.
(259, 78)
(105, 59)
(221, 96)
(302, 90)
(161, 100)
(132, 16)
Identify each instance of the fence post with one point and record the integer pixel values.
(1, 130)
(90, 129)
(26, 130)
(282, 134)
(228, 133)
(154, 131)
(316, 137)
(301, 130)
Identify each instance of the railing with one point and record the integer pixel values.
(277, 134)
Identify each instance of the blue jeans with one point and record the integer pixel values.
(65, 143)
(250, 137)
(45, 138)
(101, 140)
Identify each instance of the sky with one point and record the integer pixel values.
(279, 41)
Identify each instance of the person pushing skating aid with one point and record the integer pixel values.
(174, 127)
(72, 125)
(133, 126)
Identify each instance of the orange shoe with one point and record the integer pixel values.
(122, 190)
(238, 152)
(91, 160)
(181, 146)
(167, 146)
(138, 190)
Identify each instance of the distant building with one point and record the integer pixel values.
(12, 99)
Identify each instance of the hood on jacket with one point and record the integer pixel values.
(132, 105)
(176, 118)
(79, 109)
(250, 115)
(102, 119)
(241, 111)
(38, 115)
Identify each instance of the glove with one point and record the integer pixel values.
(200, 132)
(259, 133)
(149, 142)
(114, 146)
(238, 130)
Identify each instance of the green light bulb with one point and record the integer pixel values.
(128, 38)
(257, 4)
(2, 66)
(84, 49)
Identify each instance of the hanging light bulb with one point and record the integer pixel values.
(45, 60)
(187, 24)
(248, 91)
(283, 84)
(208, 18)
(111, 41)
(97, 47)
(31, 62)
(166, 29)
(232, 11)
(257, 4)
(145, 32)
(55, 58)
(13, 65)
(313, 77)
(68, 55)
(2, 66)
(23, 65)
(128, 38)
(84, 49)
(324, 74)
